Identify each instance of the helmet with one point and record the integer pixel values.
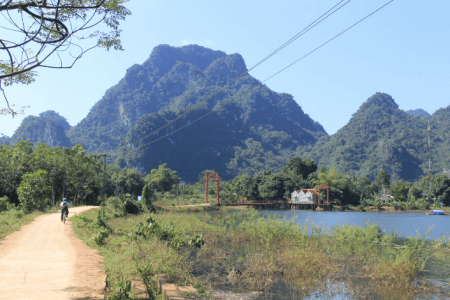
(65, 199)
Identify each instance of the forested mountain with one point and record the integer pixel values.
(244, 128)
(146, 88)
(4, 139)
(382, 136)
(49, 127)
(256, 128)
(418, 113)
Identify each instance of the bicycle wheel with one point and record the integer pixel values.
(64, 219)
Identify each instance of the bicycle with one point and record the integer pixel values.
(64, 217)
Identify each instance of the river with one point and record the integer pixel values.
(406, 224)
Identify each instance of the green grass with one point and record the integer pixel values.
(265, 249)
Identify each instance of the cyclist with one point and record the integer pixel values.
(64, 208)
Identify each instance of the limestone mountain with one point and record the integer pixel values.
(49, 127)
(145, 89)
(251, 126)
(382, 136)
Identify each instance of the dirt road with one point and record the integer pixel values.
(44, 260)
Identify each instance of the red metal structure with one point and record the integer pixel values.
(324, 186)
(208, 178)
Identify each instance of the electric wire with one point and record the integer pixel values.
(249, 90)
(295, 37)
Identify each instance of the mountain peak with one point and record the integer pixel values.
(164, 57)
(381, 100)
(56, 116)
(418, 113)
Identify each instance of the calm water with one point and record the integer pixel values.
(406, 224)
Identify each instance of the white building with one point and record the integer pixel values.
(305, 196)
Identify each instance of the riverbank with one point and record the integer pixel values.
(246, 253)
(388, 209)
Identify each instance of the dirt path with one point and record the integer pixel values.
(44, 260)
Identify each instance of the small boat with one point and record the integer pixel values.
(437, 212)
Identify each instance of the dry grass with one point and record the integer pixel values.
(246, 253)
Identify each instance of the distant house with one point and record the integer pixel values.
(446, 172)
(386, 197)
(306, 196)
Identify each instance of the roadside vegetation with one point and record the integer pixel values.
(35, 176)
(243, 252)
(12, 218)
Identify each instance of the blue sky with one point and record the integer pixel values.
(402, 50)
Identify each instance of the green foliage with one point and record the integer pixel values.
(382, 136)
(102, 220)
(370, 233)
(35, 191)
(148, 197)
(162, 179)
(400, 190)
(146, 272)
(100, 238)
(122, 290)
(49, 127)
(4, 203)
(383, 178)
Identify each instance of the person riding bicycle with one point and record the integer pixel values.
(64, 208)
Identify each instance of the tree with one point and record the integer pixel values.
(35, 191)
(148, 197)
(301, 167)
(131, 182)
(162, 179)
(400, 189)
(383, 178)
(440, 187)
(53, 34)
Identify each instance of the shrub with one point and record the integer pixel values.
(4, 204)
(122, 290)
(100, 238)
(131, 207)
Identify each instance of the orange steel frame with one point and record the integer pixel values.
(324, 186)
(208, 178)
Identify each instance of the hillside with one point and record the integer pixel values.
(259, 128)
(252, 127)
(49, 127)
(382, 136)
(145, 89)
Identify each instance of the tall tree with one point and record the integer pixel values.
(53, 34)
(162, 179)
(383, 178)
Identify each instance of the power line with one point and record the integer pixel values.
(291, 40)
(249, 90)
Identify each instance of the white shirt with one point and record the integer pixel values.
(62, 203)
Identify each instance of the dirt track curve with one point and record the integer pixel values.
(44, 260)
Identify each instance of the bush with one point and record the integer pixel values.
(131, 207)
(4, 204)
(100, 238)
(122, 290)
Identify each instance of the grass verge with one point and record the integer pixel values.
(245, 252)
